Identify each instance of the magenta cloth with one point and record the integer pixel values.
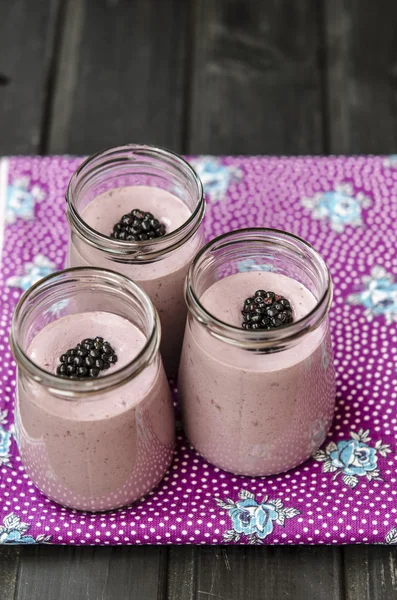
(347, 208)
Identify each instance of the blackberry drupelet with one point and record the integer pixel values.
(266, 310)
(87, 359)
(138, 226)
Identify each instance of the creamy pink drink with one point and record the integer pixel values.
(140, 178)
(247, 408)
(162, 280)
(91, 445)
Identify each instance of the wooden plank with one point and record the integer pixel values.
(9, 559)
(121, 75)
(361, 75)
(91, 573)
(119, 78)
(362, 118)
(182, 572)
(248, 573)
(257, 88)
(4, 80)
(370, 572)
(27, 33)
(257, 83)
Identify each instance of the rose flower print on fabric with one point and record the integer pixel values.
(21, 199)
(379, 296)
(5, 440)
(353, 458)
(14, 531)
(215, 176)
(252, 518)
(33, 271)
(249, 264)
(391, 537)
(339, 206)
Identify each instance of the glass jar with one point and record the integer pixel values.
(257, 402)
(112, 183)
(101, 443)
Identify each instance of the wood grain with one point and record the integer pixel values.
(257, 89)
(4, 80)
(361, 81)
(250, 573)
(257, 84)
(27, 37)
(91, 573)
(121, 75)
(361, 73)
(9, 559)
(182, 561)
(370, 572)
(119, 78)
(218, 76)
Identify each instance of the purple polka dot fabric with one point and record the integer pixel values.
(347, 208)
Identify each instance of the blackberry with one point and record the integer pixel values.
(266, 310)
(137, 226)
(87, 359)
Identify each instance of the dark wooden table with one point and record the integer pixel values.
(199, 76)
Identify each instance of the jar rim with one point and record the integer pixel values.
(139, 250)
(259, 339)
(74, 389)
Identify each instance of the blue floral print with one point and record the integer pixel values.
(391, 537)
(325, 356)
(20, 200)
(318, 433)
(13, 532)
(353, 458)
(216, 176)
(379, 296)
(391, 161)
(254, 519)
(249, 517)
(249, 264)
(5, 441)
(339, 206)
(34, 271)
(57, 308)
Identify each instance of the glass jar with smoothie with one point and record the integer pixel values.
(257, 380)
(138, 210)
(94, 417)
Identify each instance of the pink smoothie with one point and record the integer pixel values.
(163, 280)
(109, 449)
(252, 413)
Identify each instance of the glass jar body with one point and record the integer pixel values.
(162, 280)
(254, 419)
(90, 444)
(99, 454)
(116, 181)
(254, 403)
